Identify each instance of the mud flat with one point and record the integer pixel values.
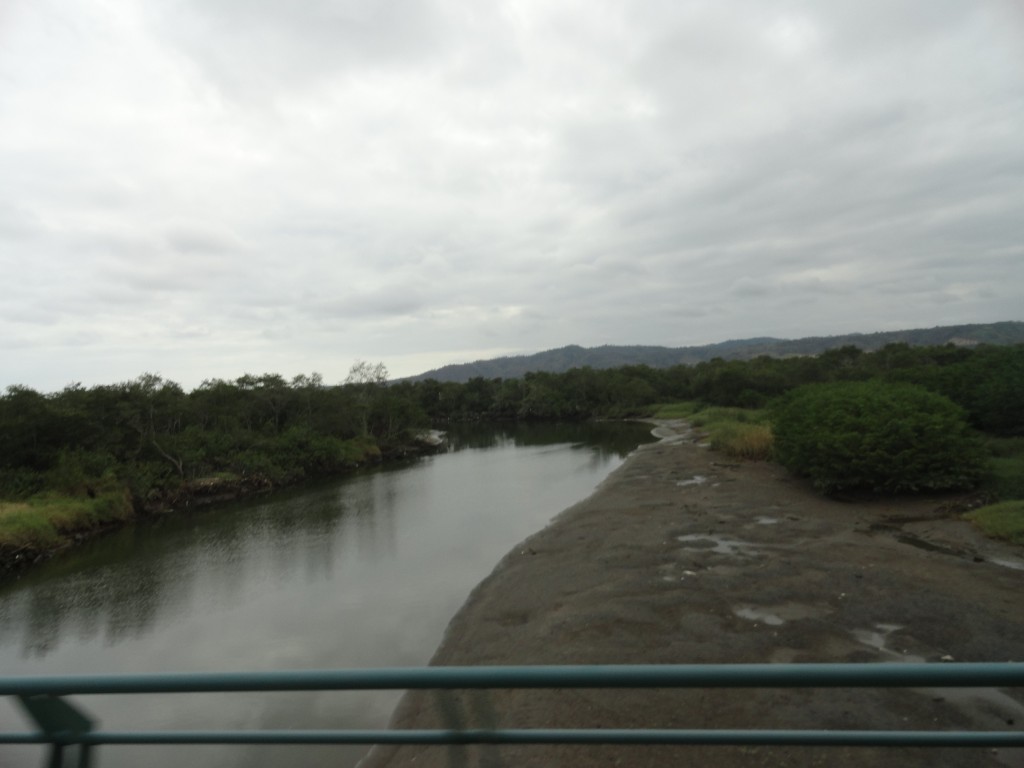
(682, 556)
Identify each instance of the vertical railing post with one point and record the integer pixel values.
(63, 725)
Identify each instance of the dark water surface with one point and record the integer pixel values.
(362, 572)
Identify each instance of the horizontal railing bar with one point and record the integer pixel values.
(953, 674)
(558, 736)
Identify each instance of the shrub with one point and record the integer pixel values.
(876, 436)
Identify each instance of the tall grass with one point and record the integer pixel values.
(742, 433)
(741, 440)
(42, 521)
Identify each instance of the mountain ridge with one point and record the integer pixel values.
(561, 359)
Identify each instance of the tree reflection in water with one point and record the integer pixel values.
(362, 572)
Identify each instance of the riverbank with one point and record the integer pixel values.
(51, 523)
(682, 556)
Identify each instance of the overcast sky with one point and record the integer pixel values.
(205, 188)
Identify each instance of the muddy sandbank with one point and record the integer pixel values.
(684, 556)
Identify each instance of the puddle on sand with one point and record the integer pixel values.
(695, 480)
(760, 615)
(774, 615)
(878, 638)
(720, 545)
(673, 578)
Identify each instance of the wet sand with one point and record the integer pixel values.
(684, 556)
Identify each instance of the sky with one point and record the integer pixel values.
(206, 188)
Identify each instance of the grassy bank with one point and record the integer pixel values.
(1003, 480)
(1001, 521)
(78, 505)
(45, 521)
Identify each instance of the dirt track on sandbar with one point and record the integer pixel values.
(684, 556)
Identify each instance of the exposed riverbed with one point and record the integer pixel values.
(684, 556)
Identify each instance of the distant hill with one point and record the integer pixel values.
(573, 356)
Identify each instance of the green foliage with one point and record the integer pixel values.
(40, 522)
(155, 437)
(734, 383)
(359, 451)
(742, 440)
(876, 436)
(77, 471)
(20, 482)
(986, 381)
(980, 379)
(1004, 475)
(1001, 521)
(741, 433)
(22, 526)
(708, 417)
(674, 410)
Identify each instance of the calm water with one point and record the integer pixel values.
(363, 572)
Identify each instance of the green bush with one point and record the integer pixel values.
(876, 436)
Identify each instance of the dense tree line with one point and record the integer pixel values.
(155, 436)
(152, 435)
(986, 381)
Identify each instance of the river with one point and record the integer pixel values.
(360, 572)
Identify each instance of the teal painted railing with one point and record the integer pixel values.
(61, 725)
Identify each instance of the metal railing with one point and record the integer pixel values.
(62, 725)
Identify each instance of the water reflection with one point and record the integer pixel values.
(605, 438)
(359, 573)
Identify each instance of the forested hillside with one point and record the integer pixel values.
(565, 358)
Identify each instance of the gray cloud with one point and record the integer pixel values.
(186, 240)
(207, 188)
(250, 50)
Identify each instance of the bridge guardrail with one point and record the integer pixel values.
(63, 726)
